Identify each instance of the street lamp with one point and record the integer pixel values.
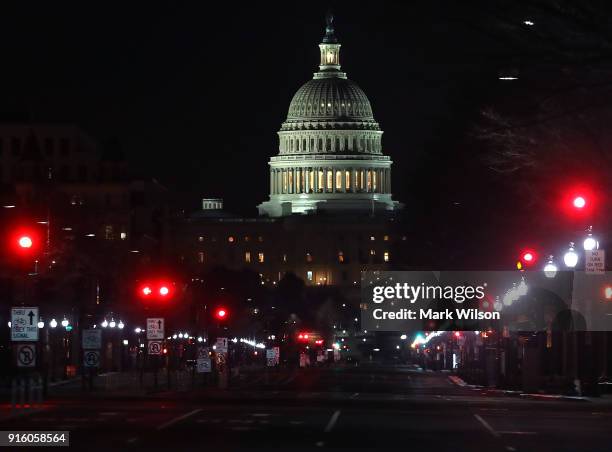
(104, 323)
(570, 258)
(65, 322)
(112, 323)
(53, 323)
(590, 243)
(120, 325)
(137, 330)
(550, 269)
(41, 324)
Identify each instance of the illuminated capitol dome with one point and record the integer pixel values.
(330, 151)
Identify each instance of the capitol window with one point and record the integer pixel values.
(338, 180)
(309, 275)
(200, 257)
(247, 257)
(230, 239)
(386, 256)
(347, 180)
(260, 258)
(308, 257)
(330, 180)
(340, 257)
(320, 182)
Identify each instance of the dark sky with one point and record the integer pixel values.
(195, 92)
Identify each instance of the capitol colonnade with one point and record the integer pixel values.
(325, 179)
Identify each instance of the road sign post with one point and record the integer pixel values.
(595, 262)
(155, 328)
(26, 355)
(24, 324)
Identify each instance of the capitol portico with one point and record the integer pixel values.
(330, 150)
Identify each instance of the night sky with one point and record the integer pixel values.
(189, 88)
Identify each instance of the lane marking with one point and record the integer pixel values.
(487, 426)
(332, 421)
(171, 422)
(516, 433)
(354, 396)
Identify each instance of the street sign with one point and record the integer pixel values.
(270, 357)
(155, 328)
(221, 345)
(155, 347)
(595, 263)
(24, 324)
(203, 365)
(26, 355)
(91, 358)
(202, 352)
(92, 339)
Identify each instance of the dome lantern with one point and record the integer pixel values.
(330, 52)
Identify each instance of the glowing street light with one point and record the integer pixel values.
(120, 325)
(104, 323)
(112, 323)
(590, 243)
(570, 258)
(65, 322)
(53, 323)
(550, 269)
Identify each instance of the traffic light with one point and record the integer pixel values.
(25, 241)
(527, 258)
(303, 337)
(579, 201)
(156, 291)
(608, 292)
(221, 313)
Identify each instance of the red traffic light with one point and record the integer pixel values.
(303, 336)
(579, 202)
(527, 258)
(156, 290)
(221, 313)
(608, 292)
(457, 334)
(25, 241)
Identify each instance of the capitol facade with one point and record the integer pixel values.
(330, 148)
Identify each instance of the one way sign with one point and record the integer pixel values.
(24, 324)
(155, 328)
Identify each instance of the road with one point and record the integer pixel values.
(376, 408)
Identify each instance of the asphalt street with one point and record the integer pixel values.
(376, 408)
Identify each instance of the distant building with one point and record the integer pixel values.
(330, 215)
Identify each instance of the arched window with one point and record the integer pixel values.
(328, 145)
(338, 180)
(320, 181)
(347, 181)
(330, 180)
(304, 144)
(320, 147)
(297, 144)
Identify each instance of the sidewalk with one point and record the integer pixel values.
(531, 396)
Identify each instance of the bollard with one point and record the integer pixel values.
(21, 388)
(39, 390)
(13, 394)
